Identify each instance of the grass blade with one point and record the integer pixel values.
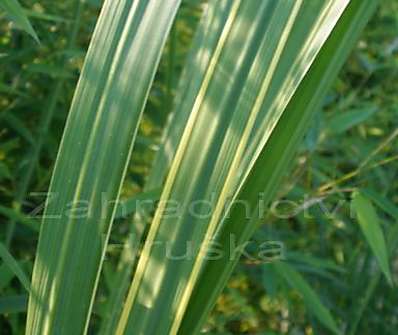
(370, 226)
(168, 145)
(132, 204)
(16, 216)
(276, 156)
(13, 265)
(360, 306)
(313, 303)
(347, 120)
(45, 122)
(17, 14)
(383, 203)
(100, 131)
(13, 304)
(234, 112)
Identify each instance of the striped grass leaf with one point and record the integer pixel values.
(273, 160)
(186, 93)
(124, 269)
(92, 160)
(263, 50)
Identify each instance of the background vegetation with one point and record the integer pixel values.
(352, 144)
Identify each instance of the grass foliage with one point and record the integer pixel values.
(185, 167)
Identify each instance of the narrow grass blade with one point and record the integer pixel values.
(6, 275)
(13, 265)
(17, 14)
(370, 226)
(13, 122)
(16, 216)
(131, 205)
(48, 17)
(263, 50)
(13, 304)
(383, 203)
(275, 157)
(360, 306)
(344, 121)
(45, 122)
(311, 299)
(119, 68)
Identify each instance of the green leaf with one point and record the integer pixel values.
(384, 204)
(364, 299)
(46, 17)
(371, 228)
(172, 133)
(13, 304)
(311, 299)
(256, 55)
(50, 70)
(17, 14)
(92, 161)
(13, 265)
(272, 162)
(343, 121)
(15, 123)
(314, 262)
(17, 216)
(269, 279)
(130, 205)
(46, 117)
(4, 171)
(10, 90)
(6, 275)
(45, 122)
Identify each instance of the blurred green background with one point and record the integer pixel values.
(352, 143)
